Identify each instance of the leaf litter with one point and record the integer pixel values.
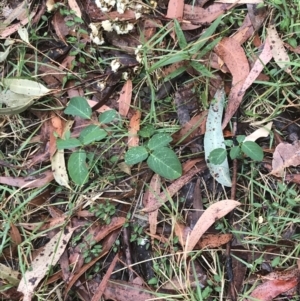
(160, 68)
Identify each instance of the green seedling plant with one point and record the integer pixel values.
(243, 148)
(104, 212)
(160, 157)
(77, 165)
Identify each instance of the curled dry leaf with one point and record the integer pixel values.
(233, 55)
(43, 262)
(210, 215)
(277, 47)
(285, 155)
(260, 133)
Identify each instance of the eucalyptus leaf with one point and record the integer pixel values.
(159, 140)
(78, 106)
(164, 162)
(91, 134)
(26, 87)
(213, 139)
(77, 168)
(136, 155)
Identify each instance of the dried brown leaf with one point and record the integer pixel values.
(154, 191)
(175, 9)
(271, 289)
(101, 288)
(285, 155)
(230, 51)
(43, 262)
(124, 291)
(29, 182)
(134, 127)
(199, 16)
(259, 65)
(210, 215)
(125, 98)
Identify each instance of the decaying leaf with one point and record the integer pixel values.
(154, 191)
(210, 215)
(259, 65)
(285, 155)
(271, 289)
(199, 16)
(29, 182)
(175, 9)
(43, 262)
(59, 169)
(125, 98)
(277, 47)
(134, 127)
(230, 51)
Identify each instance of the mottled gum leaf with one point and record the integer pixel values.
(277, 47)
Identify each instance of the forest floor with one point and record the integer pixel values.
(149, 150)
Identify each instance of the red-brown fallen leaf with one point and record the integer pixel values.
(210, 215)
(199, 16)
(186, 166)
(60, 27)
(175, 187)
(125, 98)
(293, 49)
(230, 51)
(101, 288)
(175, 9)
(15, 235)
(134, 127)
(195, 127)
(13, 28)
(259, 65)
(285, 155)
(214, 240)
(153, 193)
(29, 182)
(124, 291)
(245, 31)
(271, 289)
